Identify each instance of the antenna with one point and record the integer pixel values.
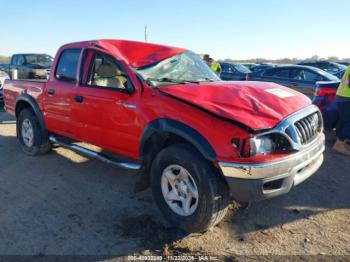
(145, 33)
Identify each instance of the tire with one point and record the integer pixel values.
(213, 195)
(39, 144)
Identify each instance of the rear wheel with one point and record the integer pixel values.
(189, 191)
(30, 134)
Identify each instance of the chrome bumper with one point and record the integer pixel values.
(270, 179)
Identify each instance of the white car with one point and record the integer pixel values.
(3, 77)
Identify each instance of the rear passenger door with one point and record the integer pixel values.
(58, 96)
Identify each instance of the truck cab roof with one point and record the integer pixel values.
(136, 54)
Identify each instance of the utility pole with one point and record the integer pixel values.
(145, 33)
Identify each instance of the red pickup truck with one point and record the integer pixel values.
(198, 141)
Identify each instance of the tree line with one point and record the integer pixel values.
(287, 60)
(4, 59)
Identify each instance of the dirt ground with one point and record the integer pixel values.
(65, 204)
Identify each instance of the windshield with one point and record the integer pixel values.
(38, 59)
(182, 68)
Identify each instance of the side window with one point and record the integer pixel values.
(306, 75)
(67, 65)
(283, 73)
(20, 60)
(104, 72)
(278, 72)
(14, 60)
(269, 72)
(311, 76)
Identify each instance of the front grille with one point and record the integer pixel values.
(308, 127)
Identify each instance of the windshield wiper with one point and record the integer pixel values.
(170, 80)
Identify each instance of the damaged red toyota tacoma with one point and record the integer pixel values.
(197, 141)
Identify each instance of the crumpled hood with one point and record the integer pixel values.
(258, 105)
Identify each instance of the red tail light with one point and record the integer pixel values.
(325, 91)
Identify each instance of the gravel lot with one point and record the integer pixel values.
(63, 203)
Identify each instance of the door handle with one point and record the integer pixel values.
(79, 99)
(126, 105)
(51, 92)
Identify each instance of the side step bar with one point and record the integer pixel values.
(93, 154)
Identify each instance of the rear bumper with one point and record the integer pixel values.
(255, 182)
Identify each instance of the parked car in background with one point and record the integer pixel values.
(324, 98)
(344, 63)
(331, 67)
(29, 66)
(195, 139)
(262, 67)
(3, 77)
(300, 78)
(340, 74)
(233, 71)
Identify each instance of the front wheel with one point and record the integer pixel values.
(190, 193)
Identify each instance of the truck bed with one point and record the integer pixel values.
(14, 88)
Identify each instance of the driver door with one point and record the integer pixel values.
(104, 108)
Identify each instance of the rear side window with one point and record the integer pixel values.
(306, 75)
(67, 65)
(283, 73)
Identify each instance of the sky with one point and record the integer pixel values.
(236, 29)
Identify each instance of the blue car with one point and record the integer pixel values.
(233, 71)
(300, 78)
(330, 67)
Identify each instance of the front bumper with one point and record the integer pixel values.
(254, 182)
